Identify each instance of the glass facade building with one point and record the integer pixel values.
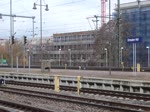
(138, 16)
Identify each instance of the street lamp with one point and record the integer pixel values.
(59, 57)
(70, 56)
(148, 55)
(121, 54)
(46, 9)
(106, 56)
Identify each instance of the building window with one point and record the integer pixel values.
(58, 39)
(134, 18)
(78, 37)
(66, 38)
(144, 16)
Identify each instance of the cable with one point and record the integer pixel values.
(67, 3)
(44, 1)
(9, 2)
(59, 18)
(36, 1)
(46, 14)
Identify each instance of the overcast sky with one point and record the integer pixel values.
(63, 16)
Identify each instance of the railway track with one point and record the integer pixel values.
(79, 100)
(137, 96)
(21, 107)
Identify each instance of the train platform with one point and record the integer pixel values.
(103, 74)
(84, 73)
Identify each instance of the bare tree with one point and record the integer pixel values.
(106, 37)
(17, 51)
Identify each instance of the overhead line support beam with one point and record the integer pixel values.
(33, 17)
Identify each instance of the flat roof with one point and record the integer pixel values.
(131, 5)
(73, 33)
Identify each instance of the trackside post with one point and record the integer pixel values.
(78, 84)
(56, 84)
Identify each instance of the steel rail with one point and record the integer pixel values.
(23, 106)
(138, 96)
(79, 100)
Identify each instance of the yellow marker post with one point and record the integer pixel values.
(56, 84)
(138, 67)
(78, 84)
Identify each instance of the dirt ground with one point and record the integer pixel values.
(85, 73)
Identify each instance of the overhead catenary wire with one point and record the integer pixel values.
(64, 24)
(9, 2)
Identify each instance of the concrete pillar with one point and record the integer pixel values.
(121, 88)
(95, 85)
(131, 89)
(103, 86)
(4, 82)
(112, 87)
(141, 90)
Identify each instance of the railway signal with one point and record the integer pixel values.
(12, 40)
(25, 39)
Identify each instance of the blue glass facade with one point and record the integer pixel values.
(139, 20)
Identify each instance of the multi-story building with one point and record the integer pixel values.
(72, 49)
(76, 48)
(138, 15)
